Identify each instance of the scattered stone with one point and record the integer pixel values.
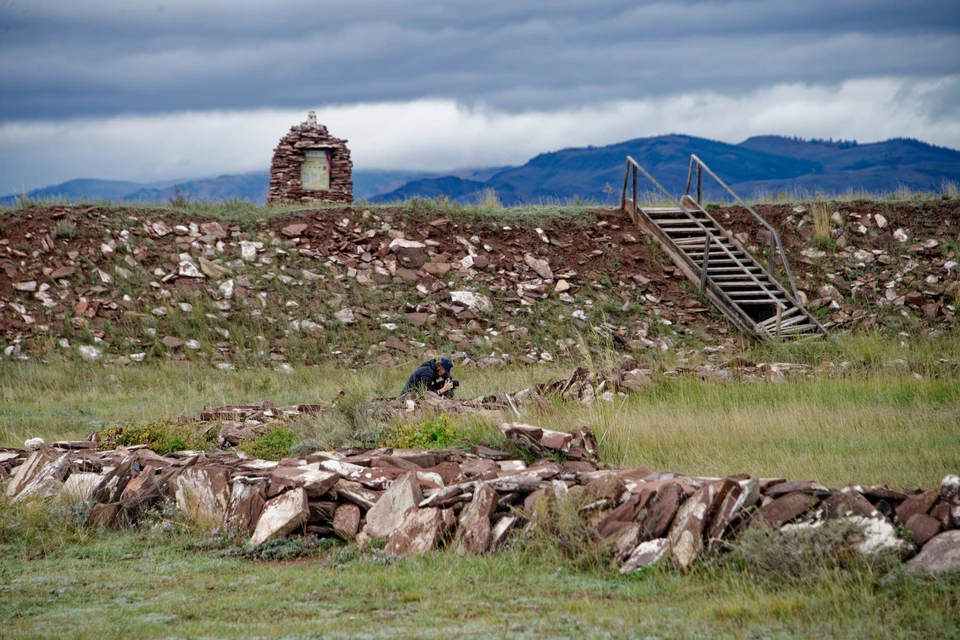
(89, 352)
(473, 301)
(345, 316)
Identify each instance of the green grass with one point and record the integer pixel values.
(872, 421)
(866, 423)
(142, 584)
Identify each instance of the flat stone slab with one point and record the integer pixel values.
(385, 516)
(281, 516)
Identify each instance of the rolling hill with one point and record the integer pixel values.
(757, 165)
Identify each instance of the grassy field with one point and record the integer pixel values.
(889, 416)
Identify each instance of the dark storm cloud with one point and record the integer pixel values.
(59, 58)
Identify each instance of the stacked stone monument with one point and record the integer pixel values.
(299, 162)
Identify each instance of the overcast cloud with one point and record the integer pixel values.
(180, 88)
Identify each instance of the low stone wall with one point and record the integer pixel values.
(286, 184)
(474, 501)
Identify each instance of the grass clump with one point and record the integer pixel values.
(273, 444)
(560, 533)
(822, 229)
(807, 555)
(65, 229)
(162, 436)
(434, 433)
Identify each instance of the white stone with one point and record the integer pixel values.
(541, 267)
(193, 345)
(881, 221)
(900, 236)
(248, 250)
(138, 357)
(89, 352)
(29, 285)
(284, 368)
(187, 269)
(345, 316)
(473, 301)
(646, 554)
(33, 444)
(226, 289)
(79, 487)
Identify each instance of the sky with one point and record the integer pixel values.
(170, 89)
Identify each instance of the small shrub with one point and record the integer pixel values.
(275, 443)
(435, 433)
(162, 436)
(65, 229)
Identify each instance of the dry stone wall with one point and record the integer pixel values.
(473, 502)
(310, 150)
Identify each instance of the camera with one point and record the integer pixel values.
(456, 383)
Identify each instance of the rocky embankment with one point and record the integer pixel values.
(122, 286)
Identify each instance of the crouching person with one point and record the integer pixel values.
(432, 375)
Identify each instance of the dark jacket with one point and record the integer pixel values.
(427, 378)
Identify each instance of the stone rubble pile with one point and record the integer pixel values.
(417, 501)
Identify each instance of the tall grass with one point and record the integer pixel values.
(869, 421)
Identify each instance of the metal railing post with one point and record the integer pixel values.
(623, 194)
(706, 262)
(699, 184)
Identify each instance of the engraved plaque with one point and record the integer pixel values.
(315, 170)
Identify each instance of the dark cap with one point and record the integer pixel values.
(446, 364)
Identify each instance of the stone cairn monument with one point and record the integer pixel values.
(310, 165)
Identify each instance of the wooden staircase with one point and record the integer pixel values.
(739, 286)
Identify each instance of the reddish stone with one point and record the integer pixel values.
(247, 499)
(786, 508)
(421, 531)
(417, 319)
(346, 521)
(655, 519)
(473, 533)
(918, 503)
(923, 527)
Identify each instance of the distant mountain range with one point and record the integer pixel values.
(757, 166)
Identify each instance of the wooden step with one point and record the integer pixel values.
(773, 295)
(772, 322)
(687, 231)
(673, 222)
(750, 268)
